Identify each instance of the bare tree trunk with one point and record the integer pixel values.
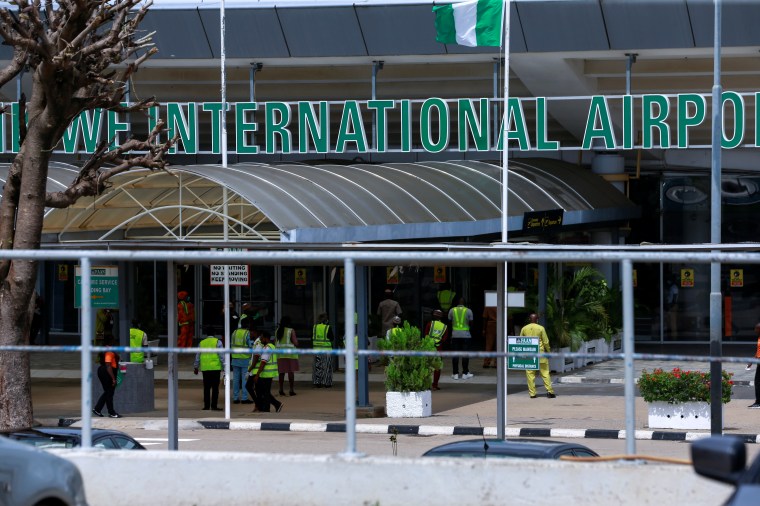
(73, 50)
(21, 215)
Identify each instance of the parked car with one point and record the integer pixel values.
(511, 448)
(724, 458)
(70, 437)
(32, 477)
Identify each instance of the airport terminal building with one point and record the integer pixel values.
(348, 125)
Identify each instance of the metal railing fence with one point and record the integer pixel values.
(350, 258)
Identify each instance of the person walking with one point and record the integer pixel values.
(185, 320)
(137, 339)
(460, 317)
(250, 385)
(108, 375)
(439, 332)
(287, 363)
(387, 310)
(266, 371)
(489, 334)
(756, 404)
(533, 329)
(210, 365)
(241, 338)
(322, 338)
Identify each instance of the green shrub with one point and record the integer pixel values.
(679, 386)
(409, 374)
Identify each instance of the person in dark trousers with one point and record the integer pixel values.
(756, 404)
(250, 384)
(210, 364)
(460, 317)
(266, 371)
(107, 374)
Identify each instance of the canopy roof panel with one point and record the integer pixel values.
(329, 202)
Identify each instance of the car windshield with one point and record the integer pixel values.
(473, 454)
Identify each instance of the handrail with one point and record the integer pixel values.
(351, 256)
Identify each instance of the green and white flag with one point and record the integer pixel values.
(469, 23)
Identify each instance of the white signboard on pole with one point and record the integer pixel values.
(238, 274)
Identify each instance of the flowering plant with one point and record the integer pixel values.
(679, 386)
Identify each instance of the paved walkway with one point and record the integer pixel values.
(460, 407)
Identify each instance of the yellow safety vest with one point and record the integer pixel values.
(210, 361)
(395, 331)
(437, 330)
(319, 336)
(460, 318)
(135, 341)
(285, 343)
(445, 299)
(270, 368)
(239, 340)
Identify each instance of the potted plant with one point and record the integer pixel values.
(408, 378)
(680, 399)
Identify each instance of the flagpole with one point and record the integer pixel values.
(505, 127)
(501, 372)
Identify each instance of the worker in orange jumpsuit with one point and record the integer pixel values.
(185, 320)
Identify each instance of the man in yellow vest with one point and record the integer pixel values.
(241, 338)
(137, 339)
(439, 331)
(460, 318)
(322, 339)
(533, 329)
(210, 364)
(266, 371)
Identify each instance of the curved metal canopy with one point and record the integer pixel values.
(329, 202)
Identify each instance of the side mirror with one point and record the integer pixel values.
(721, 458)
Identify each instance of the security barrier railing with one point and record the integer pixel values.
(496, 256)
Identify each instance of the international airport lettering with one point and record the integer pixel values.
(432, 125)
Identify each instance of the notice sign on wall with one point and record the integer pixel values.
(737, 278)
(104, 286)
(687, 278)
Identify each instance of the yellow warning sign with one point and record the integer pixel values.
(300, 276)
(63, 272)
(687, 278)
(737, 278)
(439, 274)
(391, 275)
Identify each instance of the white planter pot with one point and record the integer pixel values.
(686, 415)
(408, 404)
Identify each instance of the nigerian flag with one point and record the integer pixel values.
(469, 23)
